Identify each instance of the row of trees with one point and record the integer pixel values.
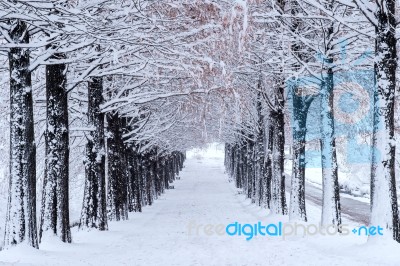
(300, 56)
(124, 77)
(136, 83)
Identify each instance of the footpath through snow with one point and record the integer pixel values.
(161, 236)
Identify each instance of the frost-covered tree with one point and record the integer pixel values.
(21, 208)
(55, 199)
(384, 207)
(94, 202)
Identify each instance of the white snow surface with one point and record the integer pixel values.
(160, 236)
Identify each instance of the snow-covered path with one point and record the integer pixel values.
(161, 235)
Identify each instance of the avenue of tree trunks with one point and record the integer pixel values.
(124, 88)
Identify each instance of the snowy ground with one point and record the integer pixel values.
(160, 235)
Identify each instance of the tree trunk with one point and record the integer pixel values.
(278, 200)
(268, 165)
(131, 178)
(138, 183)
(330, 198)
(245, 178)
(94, 210)
(117, 200)
(250, 167)
(331, 214)
(260, 154)
(55, 199)
(301, 104)
(149, 178)
(297, 195)
(384, 208)
(21, 207)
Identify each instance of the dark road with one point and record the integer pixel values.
(352, 209)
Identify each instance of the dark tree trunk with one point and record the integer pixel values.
(243, 151)
(149, 179)
(153, 174)
(171, 169)
(250, 166)
(268, 165)
(143, 178)
(164, 166)
(94, 210)
(130, 155)
(21, 207)
(55, 199)
(117, 199)
(139, 182)
(136, 185)
(297, 195)
(238, 162)
(301, 104)
(384, 207)
(260, 154)
(278, 200)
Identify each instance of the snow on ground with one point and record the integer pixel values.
(160, 235)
